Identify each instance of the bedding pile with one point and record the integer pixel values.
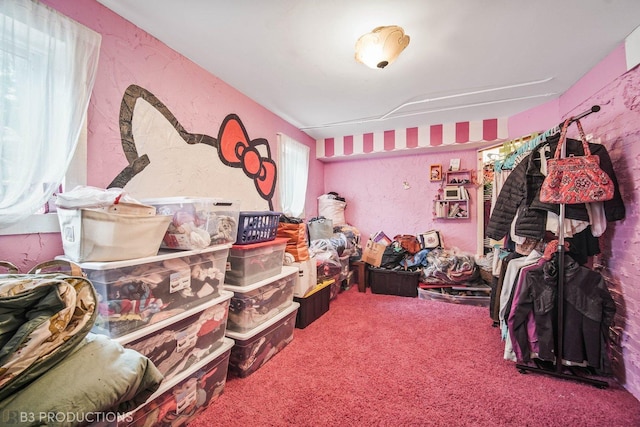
(45, 340)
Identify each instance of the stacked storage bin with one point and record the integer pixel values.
(172, 308)
(313, 304)
(262, 312)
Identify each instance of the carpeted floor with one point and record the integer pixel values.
(381, 360)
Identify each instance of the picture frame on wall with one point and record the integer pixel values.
(435, 172)
(454, 165)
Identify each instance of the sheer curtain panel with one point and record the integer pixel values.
(48, 64)
(293, 172)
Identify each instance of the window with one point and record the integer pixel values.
(293, 172)
(48, 64)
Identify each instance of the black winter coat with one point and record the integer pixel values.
(520, 195)
(589, 310)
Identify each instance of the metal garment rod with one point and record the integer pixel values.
(558, 372)
(533, 143)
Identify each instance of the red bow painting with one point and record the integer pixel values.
(233, 145)
(237, 150)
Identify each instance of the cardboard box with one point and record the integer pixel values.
(372, 253)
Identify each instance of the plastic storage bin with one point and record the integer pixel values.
(313, 305)
(307, 276)
(180, 399)
(177, 343)
(140, 292)
(254, 304)
(394, 282)
(438, 295)
(251, 263)
(256, 227)
(256, 347)
(197, 222)
(95, 235)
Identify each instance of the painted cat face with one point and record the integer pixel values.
(165, 160)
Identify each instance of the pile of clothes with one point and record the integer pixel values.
(437, 265)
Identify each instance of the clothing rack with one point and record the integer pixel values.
(533, 143)
(558, 372)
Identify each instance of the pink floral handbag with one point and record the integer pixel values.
(575, 179)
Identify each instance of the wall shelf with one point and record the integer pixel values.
(451, 209)
(461, 177)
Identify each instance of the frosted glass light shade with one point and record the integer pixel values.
(381, 46)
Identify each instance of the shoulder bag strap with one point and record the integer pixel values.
(585, 144)
(563, 137)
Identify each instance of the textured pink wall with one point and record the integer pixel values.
(618, 127)
(537, 119)
(377, 200)
(199, 100)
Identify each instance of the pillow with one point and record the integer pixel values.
(104, 377)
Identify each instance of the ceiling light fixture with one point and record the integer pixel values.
(381, 46)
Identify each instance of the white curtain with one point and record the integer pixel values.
(293, 173)
(48, 64)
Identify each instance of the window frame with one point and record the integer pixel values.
(284, 139)
(76, 175)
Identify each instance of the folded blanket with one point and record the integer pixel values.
(42, 318)
(95, 382)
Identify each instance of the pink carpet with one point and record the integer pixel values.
(380, 360)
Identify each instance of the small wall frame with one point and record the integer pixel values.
(435, 173)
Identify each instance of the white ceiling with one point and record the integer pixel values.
(467, 60)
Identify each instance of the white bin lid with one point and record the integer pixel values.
(286, 271)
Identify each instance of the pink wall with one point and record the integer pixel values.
(373, 187)
(618, 127)
(199, 100)
(376, 199)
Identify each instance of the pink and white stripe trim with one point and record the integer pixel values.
(412, 138)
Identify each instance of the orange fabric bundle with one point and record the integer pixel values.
(297, 244)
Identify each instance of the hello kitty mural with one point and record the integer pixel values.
(164, 159)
